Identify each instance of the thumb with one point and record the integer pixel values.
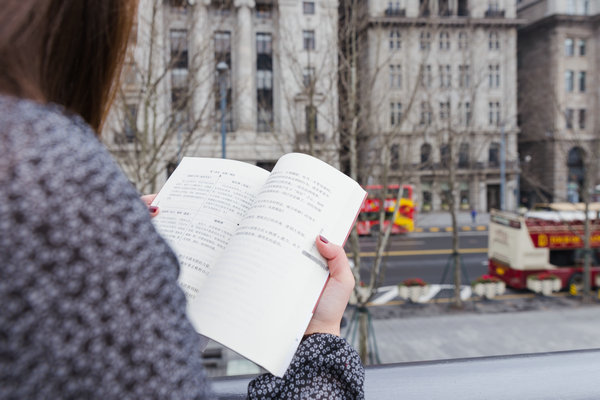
(339, 269)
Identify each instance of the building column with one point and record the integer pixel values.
(244, 82)
(201, 59)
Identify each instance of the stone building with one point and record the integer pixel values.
(442, 96)
(559, 61)
(275, 63)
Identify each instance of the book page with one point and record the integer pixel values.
(263, 289)
(201, 205)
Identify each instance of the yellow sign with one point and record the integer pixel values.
(542, 240)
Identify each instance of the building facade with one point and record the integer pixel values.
(443, 100)
(559, 60)
(251, 80)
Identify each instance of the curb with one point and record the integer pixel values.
(466, 228)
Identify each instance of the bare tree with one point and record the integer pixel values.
(166, 102)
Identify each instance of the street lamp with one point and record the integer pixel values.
(222, 70)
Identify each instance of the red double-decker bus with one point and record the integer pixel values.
(403, 220)
(541, 241)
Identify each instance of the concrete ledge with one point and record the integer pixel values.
(561, 375)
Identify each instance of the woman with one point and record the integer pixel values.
(90, 304)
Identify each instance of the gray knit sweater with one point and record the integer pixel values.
(89, 304)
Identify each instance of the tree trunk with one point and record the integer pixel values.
(363, 335)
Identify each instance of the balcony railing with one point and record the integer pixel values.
(559, 375)
(493, 13)
(395, 12)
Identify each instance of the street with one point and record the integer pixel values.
(426, 256)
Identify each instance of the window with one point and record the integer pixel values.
(581, 80)
(444, 40)
(130, 124)
(445, 76)
(493, 41)
(395, 113)
(445, 155)
(494, 155)
(395, 76)
(424, 8)
(425, 40)
(308, 7)
(445, 110)
(494, 76)
(463, 40)
(571, 7)
(264, 79)
(263, 43)
(264, 82)
(179, 105)
(582, 119)
(426, 77)
(395, 40)
(425, 114)
(179, 6)
(581, 46)
(464, 78)
(569, 81)
(179, 78)
(463, 8)
(308, 76)
(395, 156)
(569, 47)
(179, 48)
(264, 11)
(494, 113)
(444, 8)
(425, 154)
(463, 155)
(308, 39)
(222, 42)
(569, 118)
(310, 114)
(464, 113)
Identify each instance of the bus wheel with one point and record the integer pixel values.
(575, 284)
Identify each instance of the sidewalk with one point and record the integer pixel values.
(464, 334)
(442, 220)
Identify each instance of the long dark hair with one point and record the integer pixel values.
(67, 52)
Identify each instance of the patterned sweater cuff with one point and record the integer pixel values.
(324, 366)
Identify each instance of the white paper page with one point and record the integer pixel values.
(200, 207)
(261, 294)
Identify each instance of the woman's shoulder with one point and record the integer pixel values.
(29, 120)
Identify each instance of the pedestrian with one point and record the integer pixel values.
(473, 215)
(91, 308)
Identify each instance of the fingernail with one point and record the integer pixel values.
(152, 209)
(323, 239)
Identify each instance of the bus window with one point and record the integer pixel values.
(563, 258)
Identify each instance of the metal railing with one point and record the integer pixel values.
(561, 375)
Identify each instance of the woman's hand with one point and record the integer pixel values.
(148, 199)
(329, 312)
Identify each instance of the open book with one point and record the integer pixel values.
(245, 239)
